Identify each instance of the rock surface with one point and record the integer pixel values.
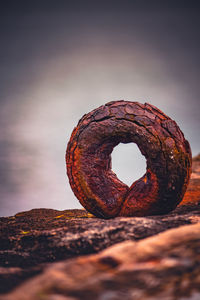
(32, 243)
(166, 266)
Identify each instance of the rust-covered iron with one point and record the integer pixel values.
(159, 139)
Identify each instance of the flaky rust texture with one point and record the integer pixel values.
(159, 139)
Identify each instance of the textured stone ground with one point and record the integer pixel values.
(53, 246)
(166, 266)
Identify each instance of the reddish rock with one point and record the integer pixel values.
(33, 241)
(166, 266)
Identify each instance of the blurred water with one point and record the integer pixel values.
(128, 163)
(58, 65)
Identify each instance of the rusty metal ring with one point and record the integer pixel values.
(159, 139)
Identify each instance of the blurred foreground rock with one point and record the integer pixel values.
(165, 266)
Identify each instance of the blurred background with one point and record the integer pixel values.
(61, 59)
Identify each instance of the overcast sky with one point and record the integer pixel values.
(59, 60)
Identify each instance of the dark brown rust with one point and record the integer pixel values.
(159, 139)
